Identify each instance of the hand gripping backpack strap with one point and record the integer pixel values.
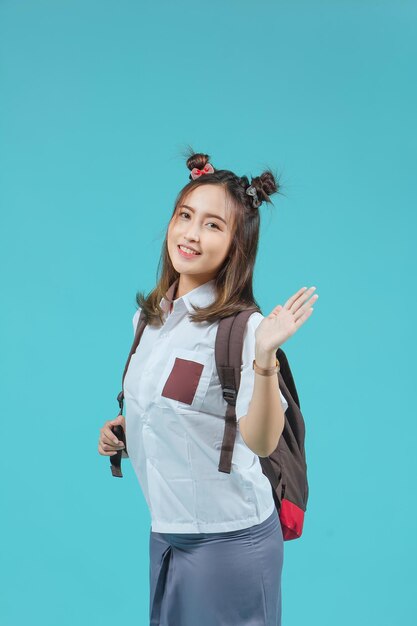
(228, 355)
(116, 459)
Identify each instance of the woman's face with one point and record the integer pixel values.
(201, 223)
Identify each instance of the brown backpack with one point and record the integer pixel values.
(286, 467)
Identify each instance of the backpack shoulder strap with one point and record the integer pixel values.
(138, 334)
(286, 467)
(228, 355)
(287, 375)
(116, 459)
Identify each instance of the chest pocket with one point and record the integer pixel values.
(185, 380)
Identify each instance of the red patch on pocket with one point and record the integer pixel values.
(183, 380)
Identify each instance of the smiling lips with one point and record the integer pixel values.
(187, 252)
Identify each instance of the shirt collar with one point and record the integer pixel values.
(201, 296)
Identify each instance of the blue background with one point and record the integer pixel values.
(98, 100)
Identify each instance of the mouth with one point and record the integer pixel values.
(187, 252)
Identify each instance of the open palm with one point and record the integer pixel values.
(284, 321)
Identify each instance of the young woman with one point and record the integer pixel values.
(216, 544)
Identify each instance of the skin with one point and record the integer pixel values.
(204, 230)
(262, 426)
(284, 321)
(210, 236)
(205, 233)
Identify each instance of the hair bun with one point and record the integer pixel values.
(265, 186)
(197, 159)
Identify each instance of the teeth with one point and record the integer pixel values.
(188, 250)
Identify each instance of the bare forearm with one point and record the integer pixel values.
(263, 424)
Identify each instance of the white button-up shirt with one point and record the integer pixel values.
(174, 412)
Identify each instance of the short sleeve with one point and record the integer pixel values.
(247, 373)
(135, 319)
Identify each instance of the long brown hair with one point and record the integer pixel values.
(233, 282)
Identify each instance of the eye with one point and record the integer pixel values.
(185, 213)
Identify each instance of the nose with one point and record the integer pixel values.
(192, 232)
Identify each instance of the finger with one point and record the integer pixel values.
(303, 300)
(106, 453)
(117, 420)
(110, 440)
(110, 447)
(108, 435)
(277, 309)
(106, 430)
(294, 297)
(297, 312)
(304, 317)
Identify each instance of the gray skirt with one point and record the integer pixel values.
(217, 579)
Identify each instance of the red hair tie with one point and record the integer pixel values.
(207, 169)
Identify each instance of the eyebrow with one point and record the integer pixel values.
(185, 206)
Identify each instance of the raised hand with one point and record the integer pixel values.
(284, 321)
